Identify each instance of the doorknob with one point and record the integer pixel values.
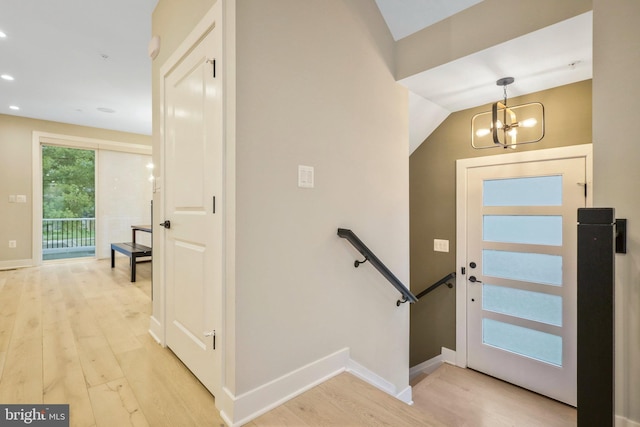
(166, 224)
(473, 279)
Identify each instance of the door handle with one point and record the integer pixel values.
(166, 224)
(473, 279)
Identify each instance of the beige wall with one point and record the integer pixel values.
(314, 87)
(16, 177)
(433, 203)
(616, 107)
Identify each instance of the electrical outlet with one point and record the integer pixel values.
(440, 245)
(12, 243)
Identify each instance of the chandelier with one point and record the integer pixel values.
(505, 126)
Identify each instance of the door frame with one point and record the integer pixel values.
(38, 139)
(462, 167)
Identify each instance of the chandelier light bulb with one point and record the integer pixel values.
(528, 123)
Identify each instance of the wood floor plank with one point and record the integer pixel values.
(11, 293)
(22, 373)
(148, 369)
(116, 405)
(63, 378)
(496, 403)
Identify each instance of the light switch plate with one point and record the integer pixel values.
(21, 198)
(305, 176)
(12, 198)
(440, 245)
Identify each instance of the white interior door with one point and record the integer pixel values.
(521, 273)
(193, 190)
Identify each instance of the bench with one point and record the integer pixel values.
(133, 251)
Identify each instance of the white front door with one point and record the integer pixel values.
(192, 204)
(521, 273)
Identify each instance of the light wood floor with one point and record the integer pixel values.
(77, 333)
(450, 396)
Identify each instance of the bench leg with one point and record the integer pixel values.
(113, 258)
(133, 268)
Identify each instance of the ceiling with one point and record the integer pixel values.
(85, 62)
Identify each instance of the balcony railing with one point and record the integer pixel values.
(72, 236)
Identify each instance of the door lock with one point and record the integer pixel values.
(166, 224)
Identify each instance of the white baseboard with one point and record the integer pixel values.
(448, 356)
(258, 401)
(239, 410)
(429, 366)
(377, 381)
(625, 422)
(426, 367)
(155, 330)
(18, 263)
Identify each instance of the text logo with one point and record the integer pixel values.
(34, 415)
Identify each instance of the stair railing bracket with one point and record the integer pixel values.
(357, 263)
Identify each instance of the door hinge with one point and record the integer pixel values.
(213, 64)
(584, 184)
(211, 334)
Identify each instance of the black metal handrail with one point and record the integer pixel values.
(370, 256)
(446, 279)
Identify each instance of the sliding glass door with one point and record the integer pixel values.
(68, 202)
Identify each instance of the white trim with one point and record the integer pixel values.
(427, 367)
(378, 382)
(92, 143)
(16, 263)
(625, 422)
(448, 356)
(462, 166)
(239, 410)
(405, 395)
(264, 398)
(37, 140)
(156, 331)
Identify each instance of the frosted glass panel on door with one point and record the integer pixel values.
(531, 191)
(524, 341)
(523, 266)
(533, 230)
(536, 306)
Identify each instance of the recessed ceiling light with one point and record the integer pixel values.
(7, 77)
(106, 110)
(2, 35)
(14, 107)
